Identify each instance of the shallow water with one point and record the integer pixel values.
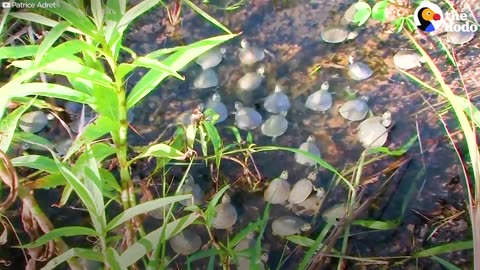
(291, 31)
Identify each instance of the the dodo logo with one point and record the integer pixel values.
(428, 17)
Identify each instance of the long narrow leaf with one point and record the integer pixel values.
(55, 33)
(8, 126)
(72, 253)
(41, 163)
(206, 16)
(17, 52)
(60, 232)
(37, 18)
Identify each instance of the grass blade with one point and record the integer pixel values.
(98, 13)
(54, 34)
(16, 52)
(206, 16)
(37, 18)
(8, 126)
(47, 90)
(134, 12)
(36, 162)
(72, 253)
(60, 232)
(445, 248)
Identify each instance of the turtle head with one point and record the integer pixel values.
(311, 139)
(238, 105)
(284, 175)
(364, 98)
(200, 107)
(278, 89)
(312, 176)
(216, 97)
(320, 192)
(189, 179)
(244, 43)
(351, 59)
(386, 119)
(261, 70)
(306, 227)
(325, 86)
(223, 50)
(226, 199)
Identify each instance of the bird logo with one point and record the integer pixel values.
(428, 17)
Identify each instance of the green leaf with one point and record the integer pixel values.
(68, 49)
(71, 253)
(41, 163)
(178, 60)
(53, 35)
(60, 232)
(397, 152)
(251, 227)
(8, 126)
(210, 212)
(17, 52)
(315, 246)
(236, 134)
(134, 12)
(450, 247)
(216, 141)
(362, 14)
(37, 142)
(206, 16)
(144, 208)
(300, 240)
(379, 11)
(113, 260)
(448, 265)
(376, 224)
(81, 190)
(124, 69)
(47, 90)
(49, 181)
(97, 11)
(147, 243)
(37, 18)
(161, 150)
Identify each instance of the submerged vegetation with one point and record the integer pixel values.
(78, 190)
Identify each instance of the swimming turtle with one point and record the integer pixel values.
(190, 187)
(243, 260)
(358, 71)
(251, 80)
(215, 103)
(460, 37)
(247, 118)
(226, 214)
(249, 54)
(289, 225)
(373, 132)
(278, 190)
(355, 110)
(308, 146)
(302, 189)
(62, 146)
(208, 78)
(407, 59)
(185, 242)
(311, 206)
(337, 34)
(33, 121)
(277, 101)
(335, 213)
(160, 213)
(320, 100)
(211, 58)
(275, 125)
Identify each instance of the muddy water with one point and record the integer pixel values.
(290, 30)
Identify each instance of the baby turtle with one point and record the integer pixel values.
(335, 213)
(215, 103)
(460, 37)
(226, 214)
(354, 110)
(251, 80)
(190, 187)
(247, 118)
(303, 188)
(289, 225)
(407, 59)
(208, 78)
(320, 100)
(337, 34)
(358, 71)
(277, 101)
(243, 260)
(212, 58)
(278, 190)
(250, 55)
(373, 131)
(275, 126)
(308, 146)
(185, 242)
(33, 121)
(311, 206)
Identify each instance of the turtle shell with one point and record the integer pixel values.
(407, 59)
(226, 216)
(354, 110)
(33, 121)
(371, 132)
(277, 192)
(186, 242)
(320, 100)
(300, 191)
(287, 225)
(334, 34)
(250, 81)
(275, 126)
(206, 79)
